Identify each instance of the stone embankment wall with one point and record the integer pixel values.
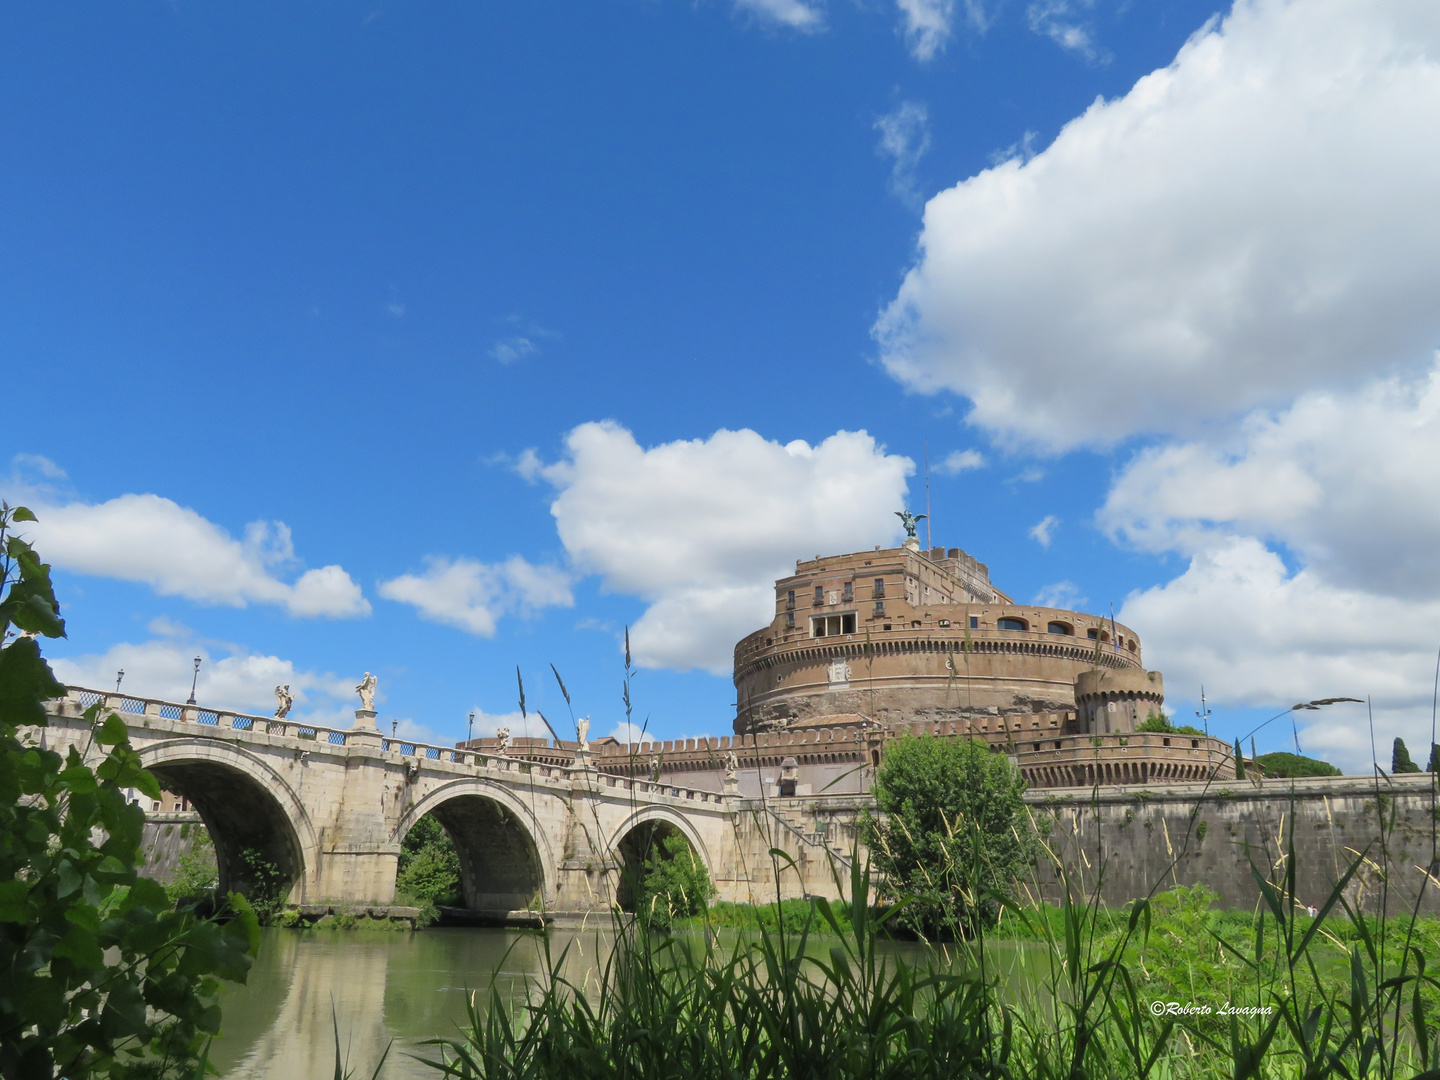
(166, 838)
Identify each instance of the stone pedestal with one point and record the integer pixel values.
(582, 759)
(364, 732)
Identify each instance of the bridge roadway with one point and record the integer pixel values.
(330, 806)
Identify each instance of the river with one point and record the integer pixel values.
(400, 986)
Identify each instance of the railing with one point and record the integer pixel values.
(82, 698)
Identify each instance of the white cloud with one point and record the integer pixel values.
(927, 25)
(1256, 634)
(230, 678)
(1062, 594)
(509, 350)
(1255, 220)
(959, 461)
(177, 552)
(905, 139)
(528, 465)
(1346, 481)
(473, 595)
(792, 13)
(1062, 22)
(626, 732)
(701, 528)
(1042, 532)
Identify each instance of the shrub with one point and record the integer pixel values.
(951, 834)
(1283, 764)
(674, 884)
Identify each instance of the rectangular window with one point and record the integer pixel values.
(879, 587)
(944, 624)
(847, 593)
(879, 608)
(789, 620)
(974, 622)
(819, 594)
(832, 625)
(790, 599)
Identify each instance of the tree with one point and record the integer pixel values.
(429, 870)
(674, 884)
(1239, 762)
(951, 834)
(1282, 764)
(1400, 759)
(99, 976)
(1434, 765)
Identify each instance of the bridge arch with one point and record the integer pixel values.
(637, 835)
(245, 803)
(506, 862)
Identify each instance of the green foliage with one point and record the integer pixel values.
(197, 873)
(951, 836)
(1239, 762)
(429, 870)
(268, 885)
(1434, 765)
(1400, 759)
(98, 975)
(1161, 725)
(673, 885)
(1283, 764)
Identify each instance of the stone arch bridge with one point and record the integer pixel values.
(330, 806)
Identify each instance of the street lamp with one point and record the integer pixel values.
(470, 732)
(118, 676)
(394, 726)
(193, 681)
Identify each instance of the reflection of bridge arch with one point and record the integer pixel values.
(631, 843)
(244, 803)
(506, 862)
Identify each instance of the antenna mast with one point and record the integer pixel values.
(928, 538)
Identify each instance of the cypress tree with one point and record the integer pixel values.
(1239, 762)
(1400, 759)
(1434, 765)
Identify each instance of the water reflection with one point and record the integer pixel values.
(401, 986)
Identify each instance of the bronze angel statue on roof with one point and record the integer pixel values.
(909, 520)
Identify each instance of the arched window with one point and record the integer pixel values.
(1060, 628)
(1008, 623)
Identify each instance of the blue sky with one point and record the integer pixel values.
(454, 298)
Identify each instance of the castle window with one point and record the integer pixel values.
(819, 594)
(832, 625)
(886, 626)
(1194, 744)
(790, 599)
(974, 622)
(915, 624)
(789, 620)
(944, 624)
(879, 587)
(1060, 628)
(880, 609)
(1008, 623)
(847, 593)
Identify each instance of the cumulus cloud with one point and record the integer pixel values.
(796, 14)
(1257, 634)
(627, 732)
(473, 595)
(905, 139)
(509, 350)
(959, 461)
(1253, 221)
(1348, 482)
(1062, 594)
(1043, 531)
(927, 25)
(231, 677)
(701, 528)
(177, 552)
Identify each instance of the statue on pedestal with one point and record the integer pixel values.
(283, 700)
(582, 729)
(732, 768)
(909, 520)
(654, 768)
(366, 690)
(504, 735)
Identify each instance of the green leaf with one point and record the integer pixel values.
(22, 513)
(81, 946)
(26, 683)
(14, 902)
(79, 778)
(113, 732)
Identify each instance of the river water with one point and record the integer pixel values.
(382, 986)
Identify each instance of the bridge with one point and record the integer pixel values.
(329, 808)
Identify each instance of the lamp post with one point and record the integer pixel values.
(394, 726)
(118, 676)
(194, 681)
(470, 732)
